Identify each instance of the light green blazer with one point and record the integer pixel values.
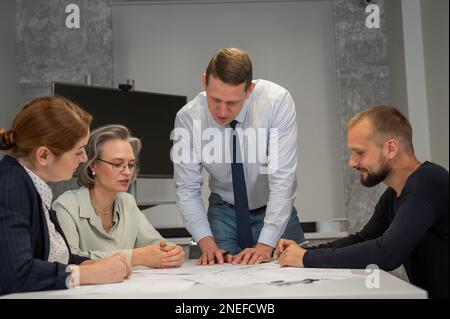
(84, 231)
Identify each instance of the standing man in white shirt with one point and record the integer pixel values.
(244, 134)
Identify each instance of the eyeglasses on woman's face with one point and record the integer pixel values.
(120, 167)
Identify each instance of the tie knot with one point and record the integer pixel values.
(233, 124)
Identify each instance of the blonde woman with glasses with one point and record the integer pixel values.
(101, 218)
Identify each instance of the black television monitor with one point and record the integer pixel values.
(149, 116)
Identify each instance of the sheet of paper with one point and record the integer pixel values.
(148, 280)
(320, 273)
(264, 274)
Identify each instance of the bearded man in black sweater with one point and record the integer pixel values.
(410, 223)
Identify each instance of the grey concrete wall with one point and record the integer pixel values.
(363, 80)
(48, 51)
(7, 63)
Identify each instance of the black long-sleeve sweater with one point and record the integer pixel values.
(411, 229)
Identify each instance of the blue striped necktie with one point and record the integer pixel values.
(243, 228)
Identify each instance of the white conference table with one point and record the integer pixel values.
(351, 288)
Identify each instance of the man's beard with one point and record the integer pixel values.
(374, 178)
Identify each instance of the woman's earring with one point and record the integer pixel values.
(93, 173)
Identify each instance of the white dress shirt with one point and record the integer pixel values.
(270, 106)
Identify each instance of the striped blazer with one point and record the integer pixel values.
(24, 238)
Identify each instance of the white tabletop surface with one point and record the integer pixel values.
(356, 286)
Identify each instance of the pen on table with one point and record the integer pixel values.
(287, 283)
(303, 245)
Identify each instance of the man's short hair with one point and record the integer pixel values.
(231, 66)
(387, 122)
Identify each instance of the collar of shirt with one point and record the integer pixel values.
(242, 116)
(87, 210)
(243, 113)
(41, 186)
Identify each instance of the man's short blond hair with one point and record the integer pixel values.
(387, 122)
